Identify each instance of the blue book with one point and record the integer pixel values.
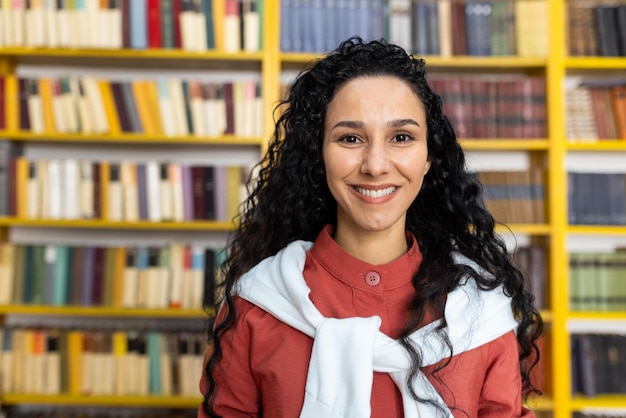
(87, 276)
(286, 25)
(61, 275)
(138, 24)
(153, 348)
(318, 26)
(207, 7)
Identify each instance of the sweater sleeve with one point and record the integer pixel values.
(237, 394)
(501, 394)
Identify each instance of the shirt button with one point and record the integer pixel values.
(372, 278)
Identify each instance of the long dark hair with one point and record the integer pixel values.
(290, 200)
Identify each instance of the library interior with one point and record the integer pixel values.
(129, 130)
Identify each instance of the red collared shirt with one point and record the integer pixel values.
(264, 366)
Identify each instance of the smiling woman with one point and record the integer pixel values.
(376, 155)
(365, 279)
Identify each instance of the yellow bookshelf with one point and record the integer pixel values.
(271, 62)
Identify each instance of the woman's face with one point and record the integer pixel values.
(375, 153)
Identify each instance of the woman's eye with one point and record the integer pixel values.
(349, 139)
(402, 138)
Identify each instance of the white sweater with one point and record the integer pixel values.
(347, 351)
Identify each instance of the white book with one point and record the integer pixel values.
(91, 23)
(239, 108)
(132, 368)
(258, 112)
(96, 104)
(178, 104)
(251, 26)
(3, 24)
(64, 28)
(35, 106)
(7, 370)
(33, 209)
(231, 23)
(58, 107)
(444, 8)
(86, 190)
(87, 372)
(7, 251)
(44, 190)
(208, 96)
(166, 108)
(115, 193)
(51, 24)
(115, 22)
(249, 109)
(220, 112)
(197, 109)
(154, 199)
(131, 280)
(188, 30)
(165, 192)
(400, 23)
(200, 28)
(178, 210)
(84, 119)
(131, 196)
(69, 100)
(34, 25)
(72, 190)
(176, 274)
(52, 373)
(54, 189)
(17, 16)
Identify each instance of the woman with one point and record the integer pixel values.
(365, 278)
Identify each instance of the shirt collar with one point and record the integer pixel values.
(353, 271)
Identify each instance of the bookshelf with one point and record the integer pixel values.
(271, 63)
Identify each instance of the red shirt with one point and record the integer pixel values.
(265, 362)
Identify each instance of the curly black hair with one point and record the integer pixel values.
(290, 200)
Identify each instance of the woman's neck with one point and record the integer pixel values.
(373, 247)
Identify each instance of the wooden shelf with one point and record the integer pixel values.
(104, 311)
(156, 401)
(129, 138)
(605, 401)
(597, 229)
(505, 144)
(97, 224)
(597, 145)
(596, 63)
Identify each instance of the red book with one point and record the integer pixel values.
(24, 117)
(176, 21)
(125, 7)
(97, 191)
(2, 105)
(199, 198)
(618, 96)
(227, 90)
(154, 24)
(98, 276)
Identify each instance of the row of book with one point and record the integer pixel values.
(122, 191)
(424, 27)
(514, 196)
(38, 411)
(600, 413)
(596, 109)
(101, 362)
(596, 28)
(493, 106)
(596, 198)
(597, 281)
(165, 106)
(174, 276)
(192, 25)
(598, 364)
